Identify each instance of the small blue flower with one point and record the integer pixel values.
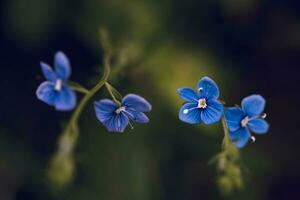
(55, 91)
(240, 121)
(202, 106)
(116, 118)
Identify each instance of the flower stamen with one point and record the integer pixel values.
(58, 85)
(202, 103)
(121, 109)
(263, 115)
(245, 121)
(253, 138)
(186, 111)
(131, 126)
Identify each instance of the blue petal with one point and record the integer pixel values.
(62, 66)
(116, 123)
(105, 112)
(208, 88)
(188, 94)
(66, 99)
(234, 116)
(46, 93)
(212, 113)
(193, 116)
(105, 109)
(240, 137)
(253, 105)
(259, 126)
(136, 102)
(136, 116)
(48, 73)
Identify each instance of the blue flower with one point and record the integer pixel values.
(116, 118)
(240, 121)
(203, 105)
(55, 91)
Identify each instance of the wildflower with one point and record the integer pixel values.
(203, 105)
(55, 91)
(240, 121)
(116, 117)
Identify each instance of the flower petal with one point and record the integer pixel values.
(234, 116)
(191, 117)
(66, 99)
(48, 73)
(46, 93)
(116, 123)
(259, 126)
(136, 116)
(105, 112)
(212, 113)
(188, 94)
(105, 109)
(253, 105)
(240, 137)
(208, 88)
(136, 102)
(62, 66)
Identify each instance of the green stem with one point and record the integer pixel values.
(92, 92)
(109, 89)
(226, 141)
(80, 90)
(228, 148)
(77, 87)
(230, 174)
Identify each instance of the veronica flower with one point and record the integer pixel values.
(201, 106)
(116, 118)
(55, 91)
(240, 121)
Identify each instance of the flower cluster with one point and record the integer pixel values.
(56, 91)
(203, 106)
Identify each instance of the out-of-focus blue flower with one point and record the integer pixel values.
(116, 118)
(55, 91)
(203, 105)
(240, 121)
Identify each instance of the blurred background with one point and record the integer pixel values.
(246, 46)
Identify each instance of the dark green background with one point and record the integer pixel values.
(247, 46)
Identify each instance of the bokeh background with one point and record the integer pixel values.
(247, 46)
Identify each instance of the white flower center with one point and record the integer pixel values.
(121, 109)
(245, 121)
(202, 103)
(58, 85)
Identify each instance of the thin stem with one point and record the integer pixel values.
(77, 87)
(92, 92)
(82, 90)
(230, 172)
(109, 89)
(226, 141)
